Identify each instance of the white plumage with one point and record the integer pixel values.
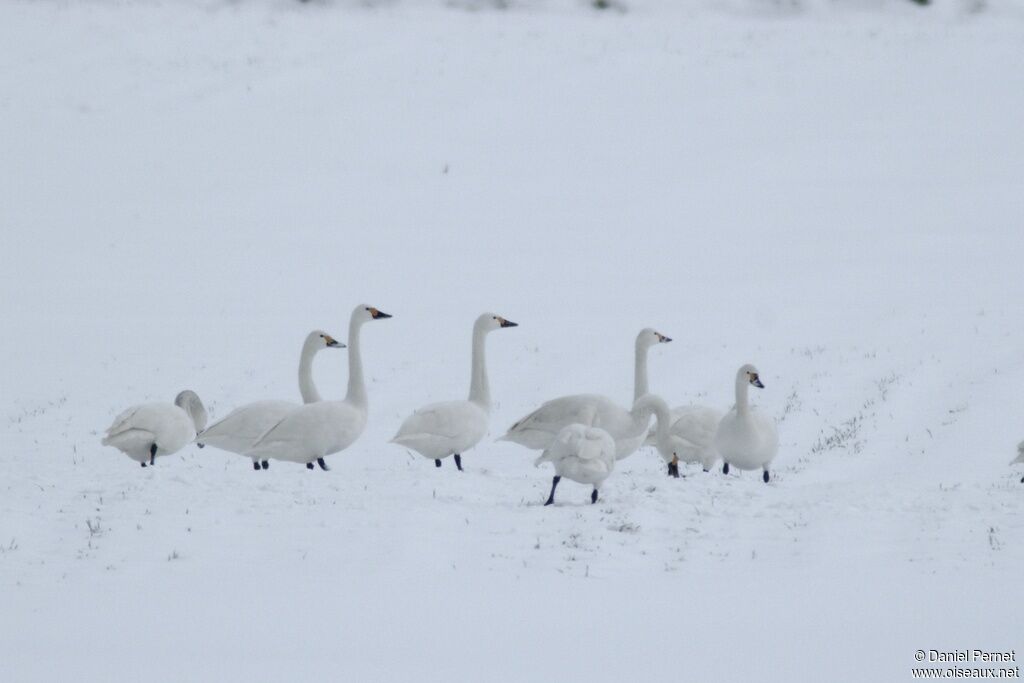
(242, 427)
(536, 430)
(439, 430)
(311, 432)
(746, 438)
(149, 430)
(581, 453)
(684, 434)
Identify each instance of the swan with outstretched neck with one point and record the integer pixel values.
(146, 431)
(313, 431)
(450, 428)
(746, 438)
(243, 426)
(536, 430)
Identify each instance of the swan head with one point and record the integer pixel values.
(648, 337)
(490, 321)
(749, 374)
(365, 313)
(190, 403)
(318, 339)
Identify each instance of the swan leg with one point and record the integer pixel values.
(201, 445)
(309, 465)
(458, 461)
(437, 463)
(255, 465)
(554, 485)
(725, 468)
(593, 497)
(766, 477)
(266, 465)
(1022, 480)
(323, 465)
(152, 454)
(144, 464)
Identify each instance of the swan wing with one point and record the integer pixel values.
(243, 426)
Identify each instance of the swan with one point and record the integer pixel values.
(536, 430)
(240, 429)
(581, 453)
(746, 438)
(315, 430)
(1019, 458)
(453, 427)
(683, 434)
(145, 431)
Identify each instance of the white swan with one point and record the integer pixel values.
(1019, 458)
(746, 438)
(684, 434)
(313, 431)
(581, 453)
(241, 428)
(537, 429)
(150, 429)
(453, 427)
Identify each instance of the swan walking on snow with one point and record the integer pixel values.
(537, 429)
(581, 453)
(453, 427)
(683, 434)
(313, 431)
(243, 426)
(746, 438)
(150, 429)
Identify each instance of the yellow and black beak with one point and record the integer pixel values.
(756, 381)
(662, 339)
(378, 315)
(332, 343)
(507, 323)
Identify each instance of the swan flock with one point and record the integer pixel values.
(582, 435)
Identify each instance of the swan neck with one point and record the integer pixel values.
(640, 371)
(742, 387)
(306, 386)
(479, 387)
(356, 386)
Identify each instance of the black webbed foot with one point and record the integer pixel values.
(458, 461)
(725, 468)
(152, 454)
(309, 465)
(323, 465)
(255, 465)
(437, 463)
(593, 497)
(766, 477)
(265, 464)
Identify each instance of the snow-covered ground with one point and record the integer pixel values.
(832, 194)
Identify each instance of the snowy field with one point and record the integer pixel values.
(834, 194)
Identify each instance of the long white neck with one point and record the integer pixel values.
(640, 370)
(356, 386)
(742, 386)
(479, 387)
(650, 403)
(306, 386)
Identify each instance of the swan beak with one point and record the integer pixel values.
(378, 315)
(335, 344)
(756, 381)
(663, 339)
(508, 323)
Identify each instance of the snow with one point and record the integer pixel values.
(830, 193)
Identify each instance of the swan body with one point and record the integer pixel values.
(313, 431)
(684, 434)
(747, 439)
(242, 427)
(439, 430)
(146, 431)
(536, 430)
(581, 453)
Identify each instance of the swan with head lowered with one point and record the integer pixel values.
(627, 427)
(243, 426)
(311, 432)
(683, 435)
(453, 427)
(747, 439)
(145, 431)
(581, 453)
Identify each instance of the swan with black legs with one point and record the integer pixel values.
(146, 431)
(747, 438)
